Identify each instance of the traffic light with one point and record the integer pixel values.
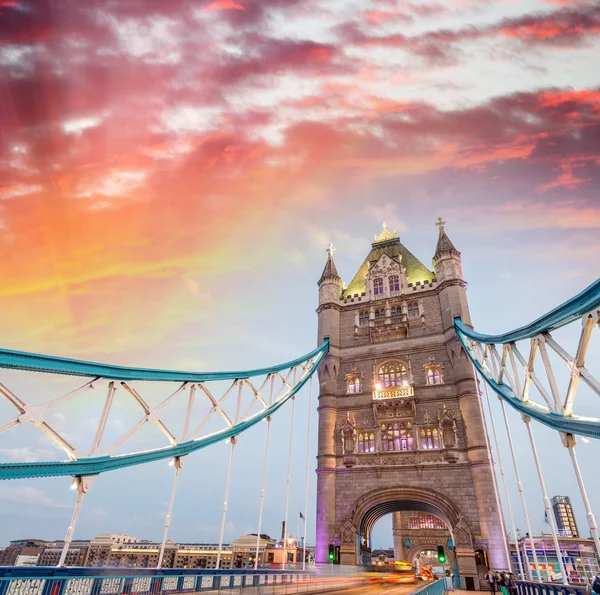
(331, 552)
(441, 555)
(337, 554)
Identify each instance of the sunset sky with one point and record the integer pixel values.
(171, 173)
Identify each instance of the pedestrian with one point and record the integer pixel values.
(503, 585)
(511, 584)
(490, 578)
(596, 584)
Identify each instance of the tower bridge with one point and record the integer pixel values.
(401, 424)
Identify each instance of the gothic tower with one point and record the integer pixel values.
(400, 420)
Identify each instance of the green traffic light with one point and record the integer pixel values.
(331, 556)
(442, 559)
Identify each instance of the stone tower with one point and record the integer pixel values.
(400, 420)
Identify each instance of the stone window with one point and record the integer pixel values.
(429, 438)
(433, 374)
(392, 374)
(413, 310)
(397, 436)
(353, 384)
(394, 283)
(363, 318)
(366, 442)
(378, 286)
(427, 521)
(379, 313)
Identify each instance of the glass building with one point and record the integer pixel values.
(565, 520)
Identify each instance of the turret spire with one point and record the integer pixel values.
(443, 244)
(329, 270)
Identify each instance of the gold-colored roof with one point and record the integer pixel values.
(416, 271)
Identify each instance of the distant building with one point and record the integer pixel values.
(244, 550)
(26, 560)
(382, 556)
(579, 557)
(76, 554)
(563, 513)
(21, 547)
(114, 550)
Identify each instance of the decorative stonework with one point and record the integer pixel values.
(385, 235)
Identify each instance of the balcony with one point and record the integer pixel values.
(393, 392)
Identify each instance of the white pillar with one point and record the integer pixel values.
(506, 496)
(549, 512)
(177, 461)
(522, 495)
(262, 492)
(306, 475)
(288, 482)
(83, 486)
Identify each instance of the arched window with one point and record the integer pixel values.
(363, 318)
(413, 310)
(429, 438)
(397, 436)
(366, 442)
(394, 283)
(379, 313)
(378, 286)
(392, 374)
(393, 311)
(354, 385)
(434, 375)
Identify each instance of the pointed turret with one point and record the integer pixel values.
(329, 271)
(444, 244)
(446, 260)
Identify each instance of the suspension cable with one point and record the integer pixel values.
(287, 490)
(522, 495)
(510, 513)
(262, 492)
(306, 473)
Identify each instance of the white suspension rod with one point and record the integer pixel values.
(287, 489)
(506, 496)
(306, 476)
(522, 495)
(223, 518)
(588, 510)
(229, 471)
(83, 485)
(549, 513)
(262, 492)
(177, 463)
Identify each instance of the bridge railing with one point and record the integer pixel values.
(529, 588)
(434, 588)
(175, 581)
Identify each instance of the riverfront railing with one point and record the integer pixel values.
(35, 580)
(527, 588)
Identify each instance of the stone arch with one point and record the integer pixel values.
(373, 505)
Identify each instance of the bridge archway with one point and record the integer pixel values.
(374, 505)
(416, 550)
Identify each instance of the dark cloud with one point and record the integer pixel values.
(568, 26)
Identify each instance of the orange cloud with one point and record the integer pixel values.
(225, 5)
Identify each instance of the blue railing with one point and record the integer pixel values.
(435, 588)
(22, 580)
(527, 588)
